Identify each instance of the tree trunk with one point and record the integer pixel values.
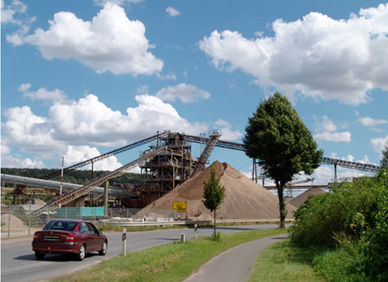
(282, 206)
(215, 230)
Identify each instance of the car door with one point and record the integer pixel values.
(97, 239)
(87, 237)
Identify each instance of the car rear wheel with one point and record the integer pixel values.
(82, 252)
(40, 255)
(104, 249)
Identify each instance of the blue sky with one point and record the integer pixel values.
(80, 78)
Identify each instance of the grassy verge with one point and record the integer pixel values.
(170, 262)
(283, 261)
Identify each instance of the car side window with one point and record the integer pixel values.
(93, 228)
(84, 228)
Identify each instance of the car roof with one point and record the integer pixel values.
(71, 220)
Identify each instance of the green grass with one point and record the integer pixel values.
(170, 262)
(283, 261)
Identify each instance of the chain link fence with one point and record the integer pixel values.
(19, 220)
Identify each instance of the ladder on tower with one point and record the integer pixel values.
(71, 196)
(212, 142)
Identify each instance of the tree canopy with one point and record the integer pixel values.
(213, 194)
(384, 159)
(278, 137)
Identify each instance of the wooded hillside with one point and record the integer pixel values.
(75, 176)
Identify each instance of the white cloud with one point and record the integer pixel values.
(326, 131)
(187, 93)
(32, 133)
(378, 144)
(172, 12)
(228, 134)
(77, 154)
(117, 2)
(317, 56)
(334, 136)
(326, 125)
(15, 14)
(41, 93)
(110, 42)
(11, 12)
(14, 162)
(370, 122)
(76, 126)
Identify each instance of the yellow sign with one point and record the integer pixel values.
(179, 206)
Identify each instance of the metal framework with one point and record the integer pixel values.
(212, 141)
(71, 196)
(168, 169)
(106, 155)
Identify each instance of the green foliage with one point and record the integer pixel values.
(353, 222)
(349, 209)
(217, 237)
(384, 159)
(284, 261)
(213, 192)
(277, 136)
(74, 176)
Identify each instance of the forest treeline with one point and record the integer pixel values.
(74, 176)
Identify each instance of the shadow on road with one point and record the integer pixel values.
(52, 257)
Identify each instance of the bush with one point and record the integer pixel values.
(353, 223)
(349, 209)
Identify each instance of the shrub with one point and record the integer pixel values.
(348, 209)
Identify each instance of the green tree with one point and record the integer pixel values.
(277, 136)
(213, 194)
(384, 159)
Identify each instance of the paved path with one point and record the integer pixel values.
(234, 264)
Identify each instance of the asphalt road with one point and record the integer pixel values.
(18, 261)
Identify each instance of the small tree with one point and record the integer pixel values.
(213, 194)
(277, 136)
(384, 159)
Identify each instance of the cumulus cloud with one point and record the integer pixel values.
(370, 122)
(187, 93)
(327, 131)
(172, 12)
(32, 133)
(75, 128)
(317, 56)
(379, 143)
(15, 14)
(228, 133)
(41, 93)
(117, 2)
(77, 154)
(110, 42)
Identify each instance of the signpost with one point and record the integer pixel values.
(180, 207)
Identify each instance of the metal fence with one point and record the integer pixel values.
(19, 220)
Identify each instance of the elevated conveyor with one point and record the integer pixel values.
(106, 155)
(212, 141)
(68, 197)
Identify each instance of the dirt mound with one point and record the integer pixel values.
(244, 199)
(296, 202)
(36, 201)
(15, 222)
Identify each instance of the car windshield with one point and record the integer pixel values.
(60, 225)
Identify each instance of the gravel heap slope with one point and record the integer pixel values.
(244, 199)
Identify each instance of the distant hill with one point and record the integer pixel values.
(74, 176)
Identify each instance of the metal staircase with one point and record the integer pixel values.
(212, 142)
(71, 196)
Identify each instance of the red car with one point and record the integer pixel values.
(76, 237)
